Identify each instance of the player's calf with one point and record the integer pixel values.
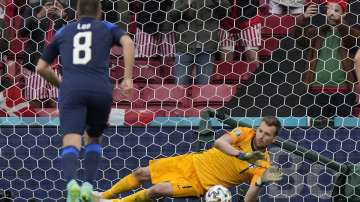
(160, 190)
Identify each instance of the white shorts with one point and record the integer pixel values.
(279, 9)
(248, 39)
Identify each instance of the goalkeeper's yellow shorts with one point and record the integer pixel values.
(180, 172)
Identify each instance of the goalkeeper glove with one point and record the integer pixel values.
(272, 174)
(251, 157)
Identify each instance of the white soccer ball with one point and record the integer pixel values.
(218, 193)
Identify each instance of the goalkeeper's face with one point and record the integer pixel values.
(265, 135)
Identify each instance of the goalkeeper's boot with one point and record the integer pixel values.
(73, 191)
(86, 192)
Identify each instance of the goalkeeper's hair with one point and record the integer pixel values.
(88, 8)
(273, 121)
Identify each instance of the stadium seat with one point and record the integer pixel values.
(277, 26)
(17, 45)
(212, 95)
(122, 101)
(357, 92)
(132, 25)
(116, 51)
(232, 72)
(356, 110)
(47, 112)
(186, 112)
(14, 72)
(269, 45)
(165, 70)
(145, 70)
(12, 103)
(138, 117)
(116, 72)
(165, 95)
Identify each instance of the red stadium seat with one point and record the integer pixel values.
(165, 95)
(232, 72)
(357, 94)
(15, 72)
(356, 109)
(116, 72)
(269, 45)
(185, 112)
(17, 45)
(277, 26)
(46, 112)
(144, 71)
(122, 101)
(12, 103)
(116, 51)
(166, 70)
(212, 95)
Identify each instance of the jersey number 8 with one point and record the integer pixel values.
(82, 48)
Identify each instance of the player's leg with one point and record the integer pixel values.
(205, 67)
(227, 45)
(167, 45)
(92, 159)
(70, 163)
(144, 44)
(53, 92)
(183, 68)
(177, 189)
(33, 89)
(296, 10)
(275, 8)
(98, 110)
(72, 122)
(155, 192)
(129, 182)
(252, 41)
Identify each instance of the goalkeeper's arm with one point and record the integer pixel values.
(271, 174)
(252, 194)
(224, 144)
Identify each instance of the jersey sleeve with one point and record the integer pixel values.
(239, 134)
(52, 50)
(116, 32)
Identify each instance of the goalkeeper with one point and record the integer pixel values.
(238, 156)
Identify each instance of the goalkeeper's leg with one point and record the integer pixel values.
(164, 189)
(147, 195)
(130, 182)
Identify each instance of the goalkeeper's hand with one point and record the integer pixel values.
(272, 174)
(251, 157)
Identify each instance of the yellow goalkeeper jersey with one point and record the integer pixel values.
(215, 167)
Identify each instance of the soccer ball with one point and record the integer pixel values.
(218, 193)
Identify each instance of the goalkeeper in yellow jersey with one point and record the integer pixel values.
(239, 156)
